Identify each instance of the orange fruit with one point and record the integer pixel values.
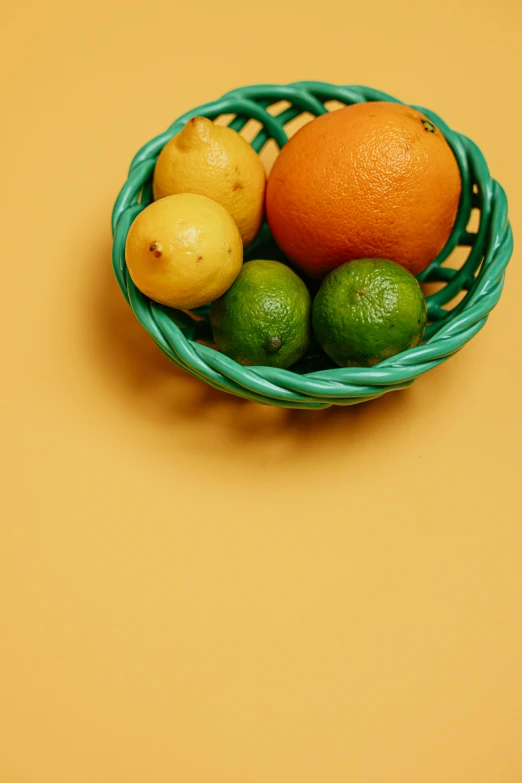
(372, 180)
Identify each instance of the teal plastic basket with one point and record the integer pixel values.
(308, 384)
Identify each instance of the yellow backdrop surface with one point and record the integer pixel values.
(194, 588)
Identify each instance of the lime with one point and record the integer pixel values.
(265, 316)
(368, 310)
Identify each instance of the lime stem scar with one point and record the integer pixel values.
(274, 344)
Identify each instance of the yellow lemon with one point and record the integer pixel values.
(216, 162)
(184, 251)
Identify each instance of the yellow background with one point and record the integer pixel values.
(197, 589)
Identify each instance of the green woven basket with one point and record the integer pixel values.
(309, 385)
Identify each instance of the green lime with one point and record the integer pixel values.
(368, 310)
(265, 316)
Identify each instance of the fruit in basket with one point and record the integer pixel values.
(265, 316)
(183, 251)
(217, 162)
(370, 180)
(368, 310)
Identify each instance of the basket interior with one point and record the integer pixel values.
(447, 282)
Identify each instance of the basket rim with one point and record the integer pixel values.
(339, 385)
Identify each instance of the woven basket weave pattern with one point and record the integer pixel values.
(481, 276)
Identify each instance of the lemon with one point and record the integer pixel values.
(265, 317)
(184, 251)
(368, 310)
(216, 162)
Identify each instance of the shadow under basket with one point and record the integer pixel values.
(457, 310)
